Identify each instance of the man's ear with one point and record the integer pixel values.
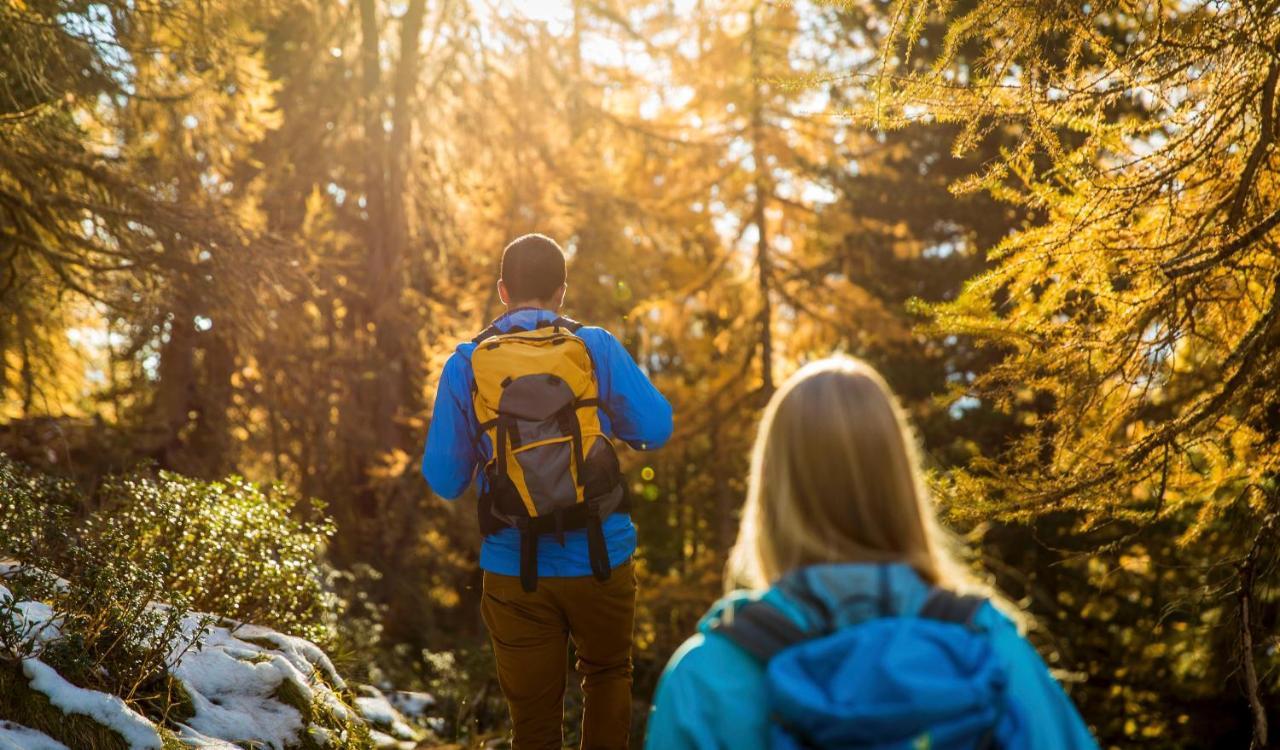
(559, 297)
(503, 294)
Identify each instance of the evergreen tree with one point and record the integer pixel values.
(1139, 326)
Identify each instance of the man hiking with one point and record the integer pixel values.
(532, 403)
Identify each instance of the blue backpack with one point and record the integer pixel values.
(924, 682)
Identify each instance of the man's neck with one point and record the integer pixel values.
(529, 306)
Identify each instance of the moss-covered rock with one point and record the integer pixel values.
(32, 708)
(265, 690)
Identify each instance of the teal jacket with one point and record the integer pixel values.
(713, 694)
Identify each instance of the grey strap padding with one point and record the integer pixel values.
(761, 630)
(948, 606)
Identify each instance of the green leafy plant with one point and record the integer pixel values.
(35, 511)
(233, 548)
(85, 601)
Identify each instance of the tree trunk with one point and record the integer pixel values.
(173, 391)
(27, 374)
(764, 266)
(210, 445)
(387, 273)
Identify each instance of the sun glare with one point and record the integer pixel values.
(548, 11)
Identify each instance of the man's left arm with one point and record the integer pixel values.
(638, 413)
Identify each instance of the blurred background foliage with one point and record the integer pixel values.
(240, 239)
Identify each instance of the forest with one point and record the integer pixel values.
(238, 241)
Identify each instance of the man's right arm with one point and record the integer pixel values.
(639, 414)
(449, 461)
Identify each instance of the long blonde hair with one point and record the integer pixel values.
(835, 477)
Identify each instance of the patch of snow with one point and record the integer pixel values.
(231, 685)
(379, 712)
(320, 736)
(412, 704)
(192, 738)
(235, 678)
(387, 742)
(17, 737)
(234, 675)
(10, 568)
(108, 710)
(34, 620)
(300, 650)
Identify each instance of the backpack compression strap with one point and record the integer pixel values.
(762, 631)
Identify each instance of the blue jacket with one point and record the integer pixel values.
(713, 694)
(456, 449)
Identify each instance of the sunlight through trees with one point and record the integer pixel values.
(242, 238)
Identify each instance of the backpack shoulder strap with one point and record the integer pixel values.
(761, 630)
(948, 606)
(488, 333)
(569, 324)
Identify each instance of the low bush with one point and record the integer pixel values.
(105, 598)
(96, 620)
(233, 548)
(36, 512)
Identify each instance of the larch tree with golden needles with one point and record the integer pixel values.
(115, 128)
(1139, 323)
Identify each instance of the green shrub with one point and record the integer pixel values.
(100, 592)
(114, 637)
(119, 587)
(232, 548)
(35, 511)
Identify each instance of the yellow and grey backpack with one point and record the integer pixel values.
(553, 468)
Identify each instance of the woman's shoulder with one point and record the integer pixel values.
(711, 659)
(707, 649)
(1052, 720)
(705, 692)
(1002, 629)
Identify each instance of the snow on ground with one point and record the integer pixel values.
(233, 696)
(300, 651)
(34, 620)
(107, 710)
(382, 716)
(10, 568)
(245, 683)
(387, 742)
(412, 704)
(17, 737)
(415, 707)
(192, 738)
(247, 686)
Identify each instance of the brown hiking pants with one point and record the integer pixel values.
(530, 634)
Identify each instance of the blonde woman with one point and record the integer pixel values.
(851, 634)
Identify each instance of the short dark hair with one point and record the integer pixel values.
(533, 268)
